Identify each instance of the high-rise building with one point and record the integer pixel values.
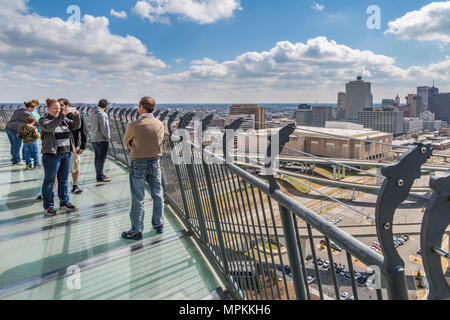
(341, 105)
(358, 96)
(248, 109)
(412, 125)
(426, 92)
(385, 120)
(413, 105)
(386, 103)
(303, 116)
(440, 105)
(320, 115)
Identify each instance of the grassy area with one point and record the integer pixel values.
(297, 186)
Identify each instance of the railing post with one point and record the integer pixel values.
(172, 118)
(396, 187)
(213, 203)
(435, 222)
(293, 252)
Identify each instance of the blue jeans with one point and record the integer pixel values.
(101, 154)
(56, 166)
(144, 172)
(30, 150)
(16, 144)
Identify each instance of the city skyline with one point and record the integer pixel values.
(220, 51)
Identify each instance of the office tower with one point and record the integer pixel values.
(386, 103)
(303, 116)
(426, 92)
(341, 105)
(247, 109)
(248, 124)
(358, 96)
(397, 101)
(440, 105)
(412, 125)
(320, 115)
(413, 105)
(385, 120)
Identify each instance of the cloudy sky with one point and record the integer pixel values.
(219, 51)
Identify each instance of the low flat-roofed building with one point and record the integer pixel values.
(324, 142)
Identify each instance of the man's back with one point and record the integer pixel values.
(145, 137)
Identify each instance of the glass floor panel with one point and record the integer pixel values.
(38, 255)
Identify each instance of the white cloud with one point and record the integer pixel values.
(33, 40)
(432, 22)
(119, 14)
(318, 7)
(200, 11)
(317, 69)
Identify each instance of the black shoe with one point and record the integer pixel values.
(50, 212)
(39, 197)
(69, 206)
(132, 236)
(76, 190)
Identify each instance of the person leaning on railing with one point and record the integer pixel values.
(57, 148)
(100, 137)
(17, 121)
(144, 138)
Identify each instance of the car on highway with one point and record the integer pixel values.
(344, 295)
(362, 279)
(311, 279)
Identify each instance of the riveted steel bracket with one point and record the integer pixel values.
(163, 116)
(185, 120)
(281, 138)
(435, 221)
(234, 126)
(396, 187)
(172, 118)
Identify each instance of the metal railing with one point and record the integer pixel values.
(264, 243)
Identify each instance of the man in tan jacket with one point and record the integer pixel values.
(144, 138)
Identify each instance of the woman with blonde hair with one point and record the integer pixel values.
(17, 121)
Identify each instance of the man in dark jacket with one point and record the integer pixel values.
(80, 139)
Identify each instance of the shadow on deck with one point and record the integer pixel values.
(81, 255)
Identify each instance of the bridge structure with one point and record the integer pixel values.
(229, 233)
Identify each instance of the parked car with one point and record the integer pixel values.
(320, 262)
(347, 274)
(311, 279)
(342, 273)
(344, 295)
(376, 243)
(309, 257)
(338, 270)
(362, 279)
(419, 252)
(357, 275)
(326, 265)
(287, 270)
(405, 237)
